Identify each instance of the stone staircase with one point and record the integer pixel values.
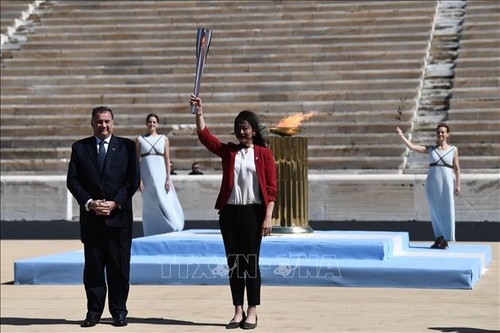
(351, 61)
(468, 46)
(12, 16)
(475, 106)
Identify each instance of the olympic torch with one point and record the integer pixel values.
(203, 39)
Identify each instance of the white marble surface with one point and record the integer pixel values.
(331, 197)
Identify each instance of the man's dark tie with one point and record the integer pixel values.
(101, 155)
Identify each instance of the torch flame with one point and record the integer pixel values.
(296, 119)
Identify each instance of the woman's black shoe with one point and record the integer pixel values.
(437, 243)
(236, 324)
(249, 326)
(443, 245)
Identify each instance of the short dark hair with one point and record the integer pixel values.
(153, 115)
(443, 125)
(101, 109)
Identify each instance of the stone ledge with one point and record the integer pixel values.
(332, 197)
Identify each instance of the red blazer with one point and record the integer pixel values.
(264, 165)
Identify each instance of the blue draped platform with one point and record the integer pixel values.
(321, 258)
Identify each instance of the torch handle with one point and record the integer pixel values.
(197, 80)
(193, 109)
(203, 39)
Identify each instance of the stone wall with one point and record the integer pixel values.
(332, 197)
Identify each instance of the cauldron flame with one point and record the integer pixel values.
(290, 125)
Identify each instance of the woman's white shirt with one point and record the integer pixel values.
(246, 184)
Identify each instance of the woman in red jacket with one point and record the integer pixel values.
(245, 203)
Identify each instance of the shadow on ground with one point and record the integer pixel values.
(13, 321)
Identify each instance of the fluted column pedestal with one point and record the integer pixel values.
(291, 208)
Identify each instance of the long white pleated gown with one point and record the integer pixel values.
(439, 188)
(161, 210)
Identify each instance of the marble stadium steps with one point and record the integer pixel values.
(319, 31)
(473, 113)
(220, 53)
(271, 83)
(178, 152)
(487, 151)
(123, 69)
(166, 98)
(350, 23)
(319, 45)
(476, 136)
(180, 140)
(120, 70)
(220, 124)
(369, 164)
(313, 33)
(475, 93)
(188, 41)
(311, 129)
(484, 114)
(227, 62)
(327, 145)
(230, 108)
(387, 34)
(10, 11)
(188, 7)
(150, 52)
(183, 123)
(336, 87)
(322, 258)
(387, 157)
(268, 15)
(477, 70)
(231, 11)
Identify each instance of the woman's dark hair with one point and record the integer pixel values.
(259, 139)
(443, 125)
(153, 115)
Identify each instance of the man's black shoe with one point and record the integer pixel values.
(120, 320)
(91, 320)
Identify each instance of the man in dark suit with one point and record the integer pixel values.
(103, 175)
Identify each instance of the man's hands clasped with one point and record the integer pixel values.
(102, 207)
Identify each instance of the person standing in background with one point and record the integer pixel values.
(195, 169)
(172, 170)
(439, 185)
(103, 175)
(161, 210)
(245, 203)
